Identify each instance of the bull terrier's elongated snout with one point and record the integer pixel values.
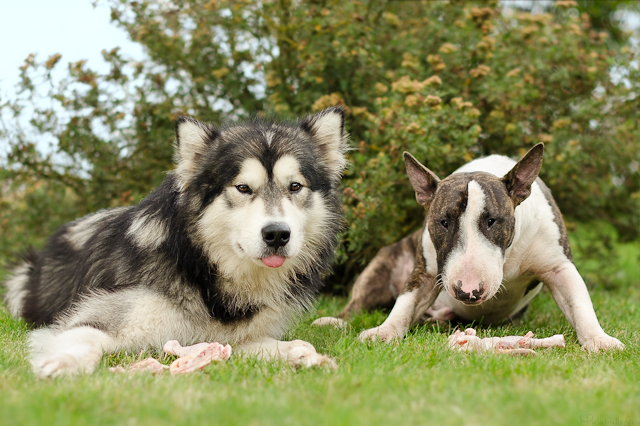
(472, 297)
(276, 235)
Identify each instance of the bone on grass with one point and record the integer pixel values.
(467, 341)
(190, 358)
(195, 357)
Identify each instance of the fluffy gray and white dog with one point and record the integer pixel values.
(492, 236)
(231, 247)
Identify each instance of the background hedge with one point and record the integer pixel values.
(447, 81)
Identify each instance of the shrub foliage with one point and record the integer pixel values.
(447, 81)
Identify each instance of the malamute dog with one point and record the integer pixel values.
(229, 248)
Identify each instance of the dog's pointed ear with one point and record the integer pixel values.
(520, 178)
(192, 139)
(423, 180)
(326, 128)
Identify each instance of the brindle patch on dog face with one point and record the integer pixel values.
(497, 222)
(448, 205)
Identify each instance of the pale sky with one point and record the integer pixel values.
(73, 28)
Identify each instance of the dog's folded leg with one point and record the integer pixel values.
(381, 282)
(420, 291)
(296, 352)
(571, 295)
(75, 351)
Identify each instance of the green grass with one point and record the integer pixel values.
(418, 381)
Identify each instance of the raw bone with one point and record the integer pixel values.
(146, 365)
(195, 357)
(512, 345)
(191, 358)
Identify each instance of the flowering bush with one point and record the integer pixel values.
(447, 81)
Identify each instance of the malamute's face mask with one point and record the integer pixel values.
(263, 193)
(471, 223)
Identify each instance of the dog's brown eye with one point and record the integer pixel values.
(445, 224)
(295, 187)
(490, 222)
(243, 188)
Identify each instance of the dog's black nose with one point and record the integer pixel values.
(469, 298)
(276, 235)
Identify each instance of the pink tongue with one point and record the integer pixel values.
(274, 261)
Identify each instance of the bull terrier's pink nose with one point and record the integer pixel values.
(472, 298)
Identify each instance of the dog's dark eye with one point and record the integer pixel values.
(490, 222)
(295, 187)
(243, 188)
(445, 224)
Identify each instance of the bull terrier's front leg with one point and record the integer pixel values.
(419, 293)
(409, 307)
(571, 295)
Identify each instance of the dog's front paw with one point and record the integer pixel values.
(59, 365)
(383, 333)
(335, 322)
(603, 342)
(303, 354)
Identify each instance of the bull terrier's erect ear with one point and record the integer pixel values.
(192, 139)
(423, 180)
(519, 179)
(326, 128)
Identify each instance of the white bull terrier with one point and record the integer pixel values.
(492, 236)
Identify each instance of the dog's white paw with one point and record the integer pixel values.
(59, 365)
(303, 354)
(603, 342)
(335, 322)
(383, 333)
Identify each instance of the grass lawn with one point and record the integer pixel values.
(418, 381)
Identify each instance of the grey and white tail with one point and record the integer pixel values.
(17, 284)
